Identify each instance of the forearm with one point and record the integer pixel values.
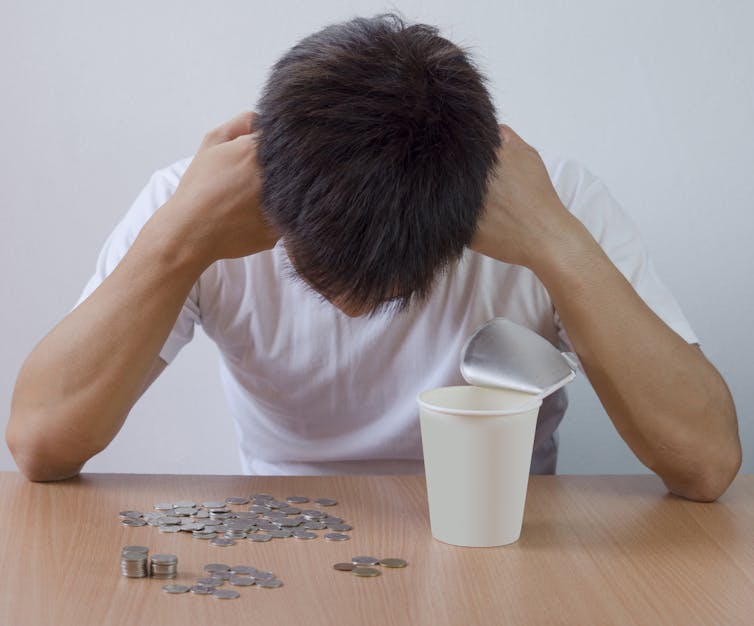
(77, 386)
(665, 399)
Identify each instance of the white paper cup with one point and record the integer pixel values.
(477, 452)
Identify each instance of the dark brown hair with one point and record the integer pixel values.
(377, 139)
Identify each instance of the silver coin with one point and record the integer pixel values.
(297, 499)
(325, 502)
(163, 506)
(339, 528)
(312, 525)
(225, 594)
(164, 528)
(304, 534)
(204, 534)
(184, 511)
(175, 588)
(170, 520)
(241, 581)
(261, 496)
(332, 519)
(258, 508)
(289, 522)
(164, 559)
(216, 567)
(223, 542)
(236, 500)
(209, 582)
(366, 572)
(336, 537)
(243, 570)
(184, 504)
(142, 549)
(221, 577)
(213, 504)
(259, 537)
(280, 533)
(365, 560)
(130, 521)
(202, 590)
(290, 510)
(275, 504)
(393, 562)
(193, 526)
(132, 514)
(271, 583)
(201, 514)
(313, 514)
(211, 522)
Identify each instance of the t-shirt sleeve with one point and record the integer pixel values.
(619, 237)
(158, 190)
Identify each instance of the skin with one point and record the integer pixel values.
(78, 385)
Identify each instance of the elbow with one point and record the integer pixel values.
(34, 457)
(709, 483)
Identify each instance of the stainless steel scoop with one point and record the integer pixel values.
(503, 354)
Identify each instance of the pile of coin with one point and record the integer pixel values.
(265, 519)
(237, 576)
(133, 561)
(363, 566)
(163, 566)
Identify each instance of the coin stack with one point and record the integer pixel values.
(133, 561)
(164, 565)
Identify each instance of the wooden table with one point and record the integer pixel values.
(594, 550)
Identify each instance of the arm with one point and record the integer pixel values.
(77, 386)
(663, 396)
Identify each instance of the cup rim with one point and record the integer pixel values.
(536, 402)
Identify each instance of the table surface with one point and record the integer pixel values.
(593, 550)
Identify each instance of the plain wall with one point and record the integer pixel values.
(656, 97)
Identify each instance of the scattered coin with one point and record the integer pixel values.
(304, 534)
(336, 537)
(132, 521)
(366, 572)
(163, 506)
(340, 527)
(365, 560)
(202, 590)
(297, 499)
(216, 567)
(325, 502)
(259, 537)
(175, 588)
(344, 567)
(269, 583)
(243, 570)
(225, 594)
(133, 514)
(236, 500)
(209, 582)
(393, 562)
(241, 581)
(223, 542)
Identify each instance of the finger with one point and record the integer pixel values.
(241, 124)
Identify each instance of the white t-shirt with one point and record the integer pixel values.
(314, 391)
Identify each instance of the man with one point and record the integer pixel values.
(341, 254)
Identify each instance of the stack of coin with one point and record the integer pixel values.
(133, 561)
(164, 565)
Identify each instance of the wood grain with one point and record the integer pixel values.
(593, 550)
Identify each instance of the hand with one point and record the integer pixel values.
(216, 207)
(524, 219)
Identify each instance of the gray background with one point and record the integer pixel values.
(656, 97)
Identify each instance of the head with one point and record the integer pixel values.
(376, 141)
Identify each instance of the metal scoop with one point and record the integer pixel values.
(503, 354)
